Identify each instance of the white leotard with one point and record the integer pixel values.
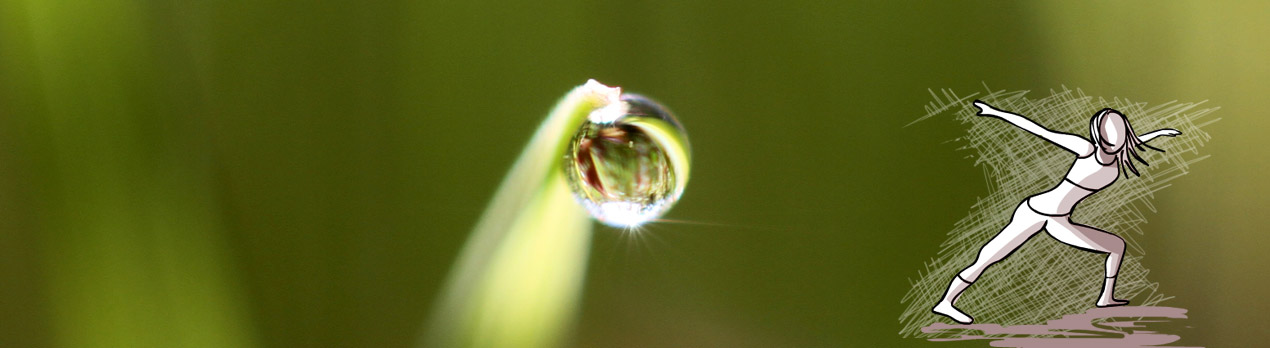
(1086, 176)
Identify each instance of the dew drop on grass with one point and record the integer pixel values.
(628, 162)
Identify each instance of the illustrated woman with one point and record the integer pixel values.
(1098, 163)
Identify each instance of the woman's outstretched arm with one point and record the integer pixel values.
(1071, 142)
(1167, 132)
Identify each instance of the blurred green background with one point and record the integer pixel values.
(302, 174)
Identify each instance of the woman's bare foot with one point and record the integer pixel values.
(1110, 302)
(1106, 298)
(946, 309)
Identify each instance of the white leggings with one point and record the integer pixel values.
(1026, 222)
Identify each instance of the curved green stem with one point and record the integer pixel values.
(518, 278)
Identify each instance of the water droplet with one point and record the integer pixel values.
(628, 163)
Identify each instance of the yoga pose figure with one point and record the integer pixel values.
(1098, 163)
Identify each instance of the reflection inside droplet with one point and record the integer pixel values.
(628, 163)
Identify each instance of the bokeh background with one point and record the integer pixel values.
(302, 174)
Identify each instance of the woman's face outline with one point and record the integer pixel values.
(1112, 132)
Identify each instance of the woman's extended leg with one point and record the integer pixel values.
(1023, 225)
(1095, 240)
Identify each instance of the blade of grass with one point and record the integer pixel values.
(517, 280)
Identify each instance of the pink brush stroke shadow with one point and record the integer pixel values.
(1116, 327)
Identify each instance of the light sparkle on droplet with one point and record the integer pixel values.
(628, 162)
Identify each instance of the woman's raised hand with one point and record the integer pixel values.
(985, 109)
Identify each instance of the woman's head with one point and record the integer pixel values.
(1113, 135)
(1111, 126)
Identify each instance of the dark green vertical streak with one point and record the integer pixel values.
(97, 255)
(24, 159)
(378, 282)
(272, 115)
(308, 147)
(131, 253)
